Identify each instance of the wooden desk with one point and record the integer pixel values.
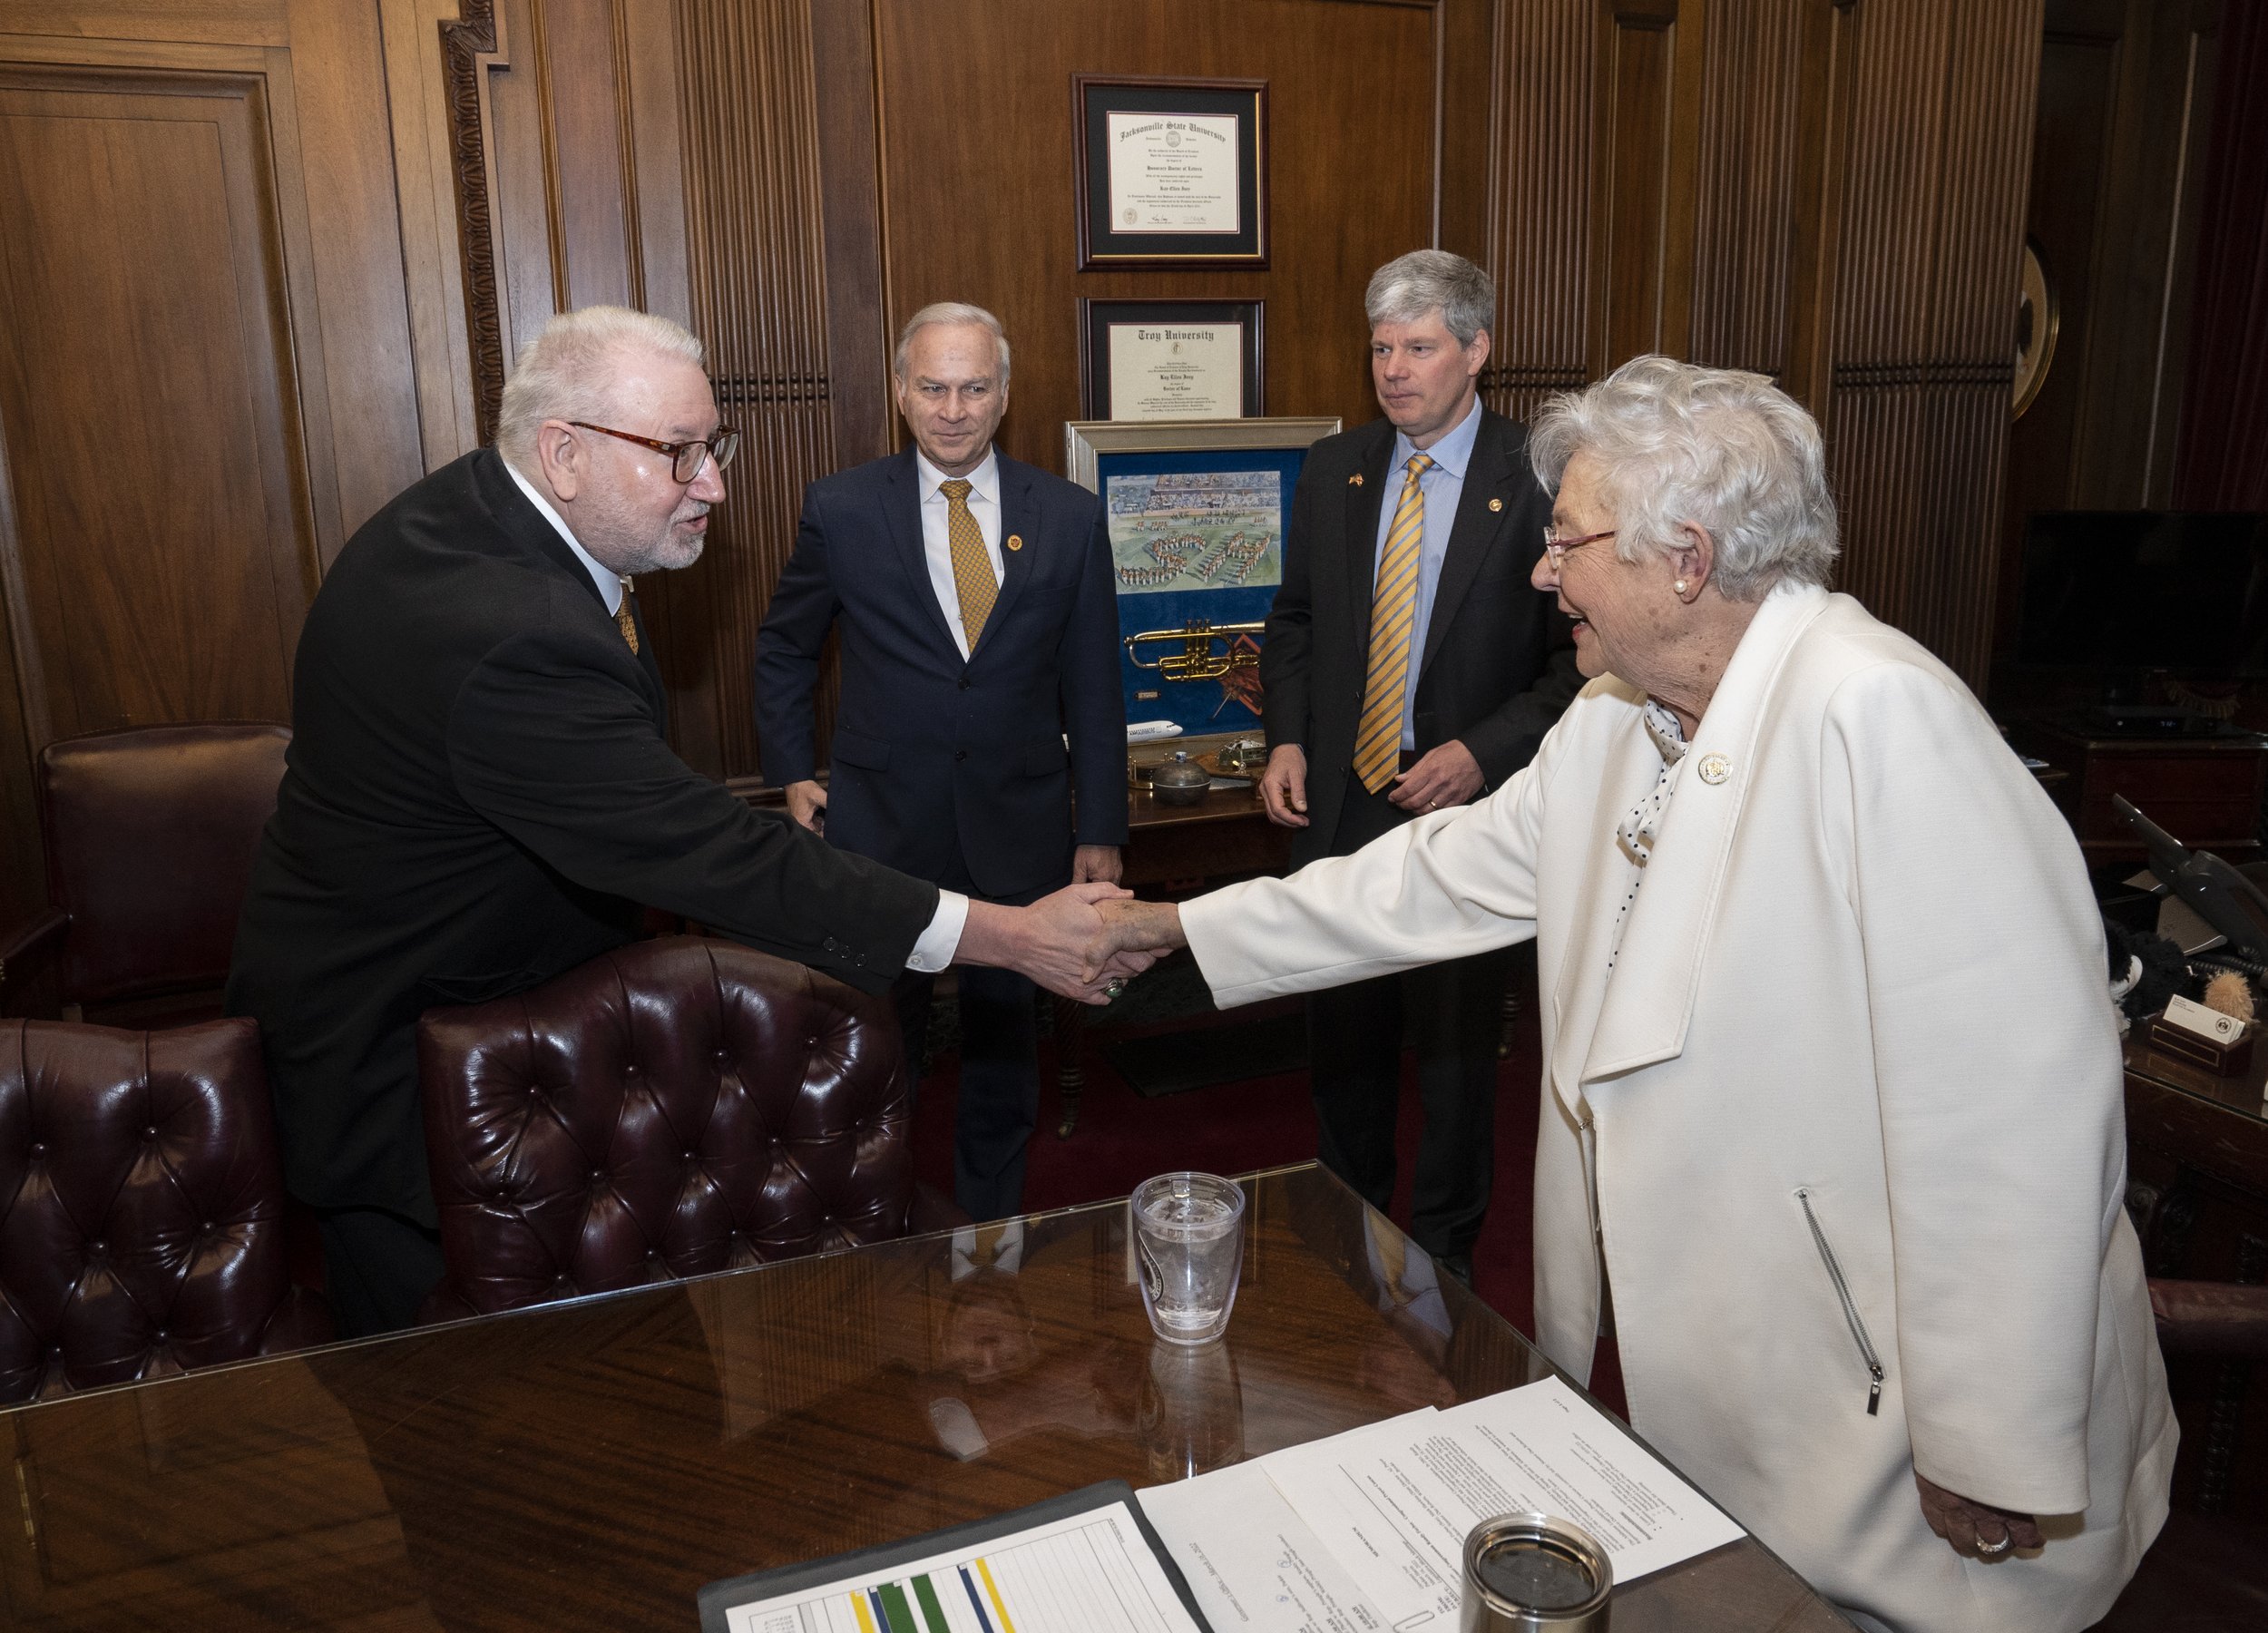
(592, 1464)
(2205, 791)
(1227, 834)
(2197, 1167)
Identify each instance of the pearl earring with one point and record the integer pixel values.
(1681, 586)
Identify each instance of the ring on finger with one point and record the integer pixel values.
(1994, 1549)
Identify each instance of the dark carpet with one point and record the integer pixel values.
(1175, 1063)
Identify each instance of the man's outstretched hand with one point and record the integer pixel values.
(1060, 942)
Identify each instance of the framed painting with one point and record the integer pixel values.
(1197, 511)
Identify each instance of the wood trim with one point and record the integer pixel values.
(417, 72)
(471, 46)
(1823, 150)
(857, 335)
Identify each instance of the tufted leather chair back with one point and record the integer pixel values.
(670, 1109)
(151, 837)
(140, 1206)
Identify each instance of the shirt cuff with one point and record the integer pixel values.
(935, 950)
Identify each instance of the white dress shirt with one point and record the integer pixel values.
(609, 582)
(937, 540)
(935, 947)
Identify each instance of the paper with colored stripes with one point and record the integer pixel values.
(1092, 1572)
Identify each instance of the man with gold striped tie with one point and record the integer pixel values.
(1408, 665)
(980, 634)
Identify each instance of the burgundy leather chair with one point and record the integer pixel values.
(140, 1206)
(150, 834)
(673, 1108)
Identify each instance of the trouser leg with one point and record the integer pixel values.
(377, 1267)
(1000, 1091)
(913, 992)
(1354, 1068)
(1456, 1020)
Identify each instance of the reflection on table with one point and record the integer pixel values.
(592, 1464)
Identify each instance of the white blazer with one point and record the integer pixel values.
(1850, 1100)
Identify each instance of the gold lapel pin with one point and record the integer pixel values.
(1496, 504)
(1715, 768)
(1015, 541)
(1355, 480)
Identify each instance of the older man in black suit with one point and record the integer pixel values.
(480, 794)
(1409, 664)
(980, 654)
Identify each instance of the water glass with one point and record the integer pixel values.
(1189, 1244)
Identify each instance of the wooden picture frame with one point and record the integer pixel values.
(1102, 326)
(1170, 172)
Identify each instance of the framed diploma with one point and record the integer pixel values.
(1170, 171)
(1197, 512)
(1171, 359)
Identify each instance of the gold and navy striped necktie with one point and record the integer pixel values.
(1393, 613)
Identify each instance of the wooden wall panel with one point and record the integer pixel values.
(1931, 231)
(202, 274)
(1746, 184)
(1539, 185)
(1827, 191)
(757, 263)
(175, 594)
(976, 196)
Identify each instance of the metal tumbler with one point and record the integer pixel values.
(1533, 1573)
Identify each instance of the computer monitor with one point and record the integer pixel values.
(2124, 592)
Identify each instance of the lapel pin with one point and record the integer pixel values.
(1715, 768)
(1355, 480)
(1496, 504)
(1015, 541)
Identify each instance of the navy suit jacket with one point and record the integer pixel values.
(1499, 663)
(944, 767)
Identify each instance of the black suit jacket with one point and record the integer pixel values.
(1499, 665)
(478, 795)
(933, 751)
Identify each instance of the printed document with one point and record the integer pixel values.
(1093, 1572)
(1365, 1531)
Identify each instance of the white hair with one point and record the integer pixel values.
(568, 371)
(1411, 286)
(1727, 451)
(954, 312)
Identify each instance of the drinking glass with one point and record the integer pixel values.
(1188, 1242)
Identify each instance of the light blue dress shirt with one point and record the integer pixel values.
(1443, 484)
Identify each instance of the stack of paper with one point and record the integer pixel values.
(1366, 1530)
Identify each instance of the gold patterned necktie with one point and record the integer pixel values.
(973, 578)
(624, 621)
(1393, 613)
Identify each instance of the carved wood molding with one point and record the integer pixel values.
(468, 46)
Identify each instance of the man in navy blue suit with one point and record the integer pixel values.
(979, 642)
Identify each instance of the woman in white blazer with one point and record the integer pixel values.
(1833, 1078)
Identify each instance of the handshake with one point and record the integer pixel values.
(1084, 941)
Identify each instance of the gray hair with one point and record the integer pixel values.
(1727, 451)
(568, 371)
(1426, 281)
(955, 312)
